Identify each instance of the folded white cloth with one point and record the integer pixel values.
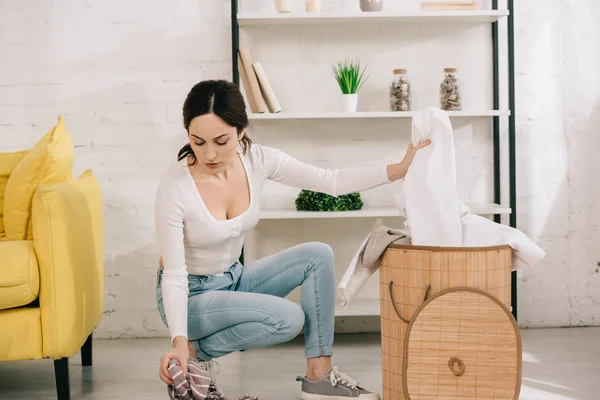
(431, 202)
(354, 278)
(366, 260)
(479, 231)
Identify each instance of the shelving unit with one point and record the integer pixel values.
(426, 19)
(480, 209)
(369, 115)
(349, 18)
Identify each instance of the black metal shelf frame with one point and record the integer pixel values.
(235, 44)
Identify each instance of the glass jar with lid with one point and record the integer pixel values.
(400, 96)
(450, 95)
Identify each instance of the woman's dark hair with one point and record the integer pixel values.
(222, 98)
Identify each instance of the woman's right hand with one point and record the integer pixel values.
(179, 352)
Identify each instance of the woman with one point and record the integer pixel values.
(212, 304)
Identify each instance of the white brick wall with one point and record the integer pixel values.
(582, 118)
(119, 72)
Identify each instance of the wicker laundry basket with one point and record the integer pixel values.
(446, 327)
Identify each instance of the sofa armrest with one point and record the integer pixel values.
(67, 237)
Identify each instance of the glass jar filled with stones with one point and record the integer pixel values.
(400, 97)
(450, 96)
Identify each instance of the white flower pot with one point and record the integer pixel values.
(349, 102)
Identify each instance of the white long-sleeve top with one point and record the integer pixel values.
(192, 241)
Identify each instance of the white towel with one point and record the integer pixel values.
(431, 202)
(435, 216)
(479, 231)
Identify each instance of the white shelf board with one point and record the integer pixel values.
(358, 307)
(367, 114)
(328, 18)
(488, 208)
(479, 209)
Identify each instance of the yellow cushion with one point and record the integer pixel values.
(20, 334)
(67, 235)
(49, 162)
(8, 162)
(19, 275)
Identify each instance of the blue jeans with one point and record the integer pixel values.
(245, 308)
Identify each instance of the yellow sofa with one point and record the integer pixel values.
(51, 262)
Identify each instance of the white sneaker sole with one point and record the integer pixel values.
(310, 396)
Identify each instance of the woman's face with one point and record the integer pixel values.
(214, 143)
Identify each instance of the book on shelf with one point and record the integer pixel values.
(250, 82)
(246, 85)
(448, 5)
(258, 89)
(266, 89)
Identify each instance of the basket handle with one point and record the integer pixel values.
(394, 303)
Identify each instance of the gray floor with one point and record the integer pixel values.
(559, 364)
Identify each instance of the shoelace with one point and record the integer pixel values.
(336, 377)
(216, 394)
(211, 367)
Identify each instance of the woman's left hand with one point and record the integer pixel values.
(412, 151)
(398, 171)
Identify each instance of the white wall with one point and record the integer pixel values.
(119, 72)
(558, 102)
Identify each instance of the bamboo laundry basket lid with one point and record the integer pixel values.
(462, 344)
(409, 275)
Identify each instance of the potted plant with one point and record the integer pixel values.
(308, 200)
(350, 77)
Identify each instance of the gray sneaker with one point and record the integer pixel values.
(334, 386)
